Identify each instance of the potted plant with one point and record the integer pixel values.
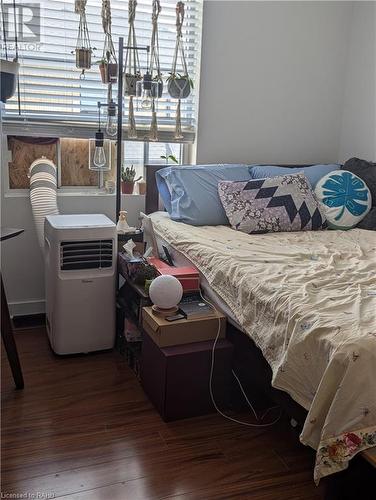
(179, 86)
(154, 92)
(9, 74)
(128, 175)
(83, 58)
(108, 70)
(169, 157)
(108, 64)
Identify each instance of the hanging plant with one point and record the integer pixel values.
(179, 84)
(9, 74)
(132, 71)
(83, 48)
(108, 64)
(155, 67)
(156, 90)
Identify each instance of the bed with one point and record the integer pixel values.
(307, 301)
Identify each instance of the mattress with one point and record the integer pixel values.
(308, 301)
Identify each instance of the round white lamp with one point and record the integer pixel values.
(165, 292)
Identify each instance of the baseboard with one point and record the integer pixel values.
(27, 308)
(29, 321)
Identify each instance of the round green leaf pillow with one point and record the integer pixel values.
(344, 198)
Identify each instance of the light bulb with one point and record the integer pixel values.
(99, 157)
(146, 100)
(111, 125)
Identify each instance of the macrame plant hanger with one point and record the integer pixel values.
(83, 48)
(132, 71)
(155, 69)
(179, 85)
(108, 64)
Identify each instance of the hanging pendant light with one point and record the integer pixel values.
(99, 159)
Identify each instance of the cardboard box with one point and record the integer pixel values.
(183, 331)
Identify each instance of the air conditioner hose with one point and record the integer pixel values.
(43, 195)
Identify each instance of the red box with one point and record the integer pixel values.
(189, 276)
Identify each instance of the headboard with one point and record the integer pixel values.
(152, 200)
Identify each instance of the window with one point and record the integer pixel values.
(72, 158)
(50, 85)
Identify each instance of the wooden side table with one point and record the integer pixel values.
(6, 322)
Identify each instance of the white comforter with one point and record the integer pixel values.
(308, 300)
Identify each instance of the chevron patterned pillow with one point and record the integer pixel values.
(284, 203)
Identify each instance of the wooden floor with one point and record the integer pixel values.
(83, 429)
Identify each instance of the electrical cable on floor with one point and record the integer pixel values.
(248, 424)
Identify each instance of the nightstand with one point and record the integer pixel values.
(176, 378)
(131, 298)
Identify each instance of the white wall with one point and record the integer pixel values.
(272, 81)
(358, 132)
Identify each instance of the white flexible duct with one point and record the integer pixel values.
(43, 196)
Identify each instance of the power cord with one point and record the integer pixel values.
(248, 424)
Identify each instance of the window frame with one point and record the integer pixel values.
(186, 150)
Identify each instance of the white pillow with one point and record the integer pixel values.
(344, 197)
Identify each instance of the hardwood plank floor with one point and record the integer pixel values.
(83, 429)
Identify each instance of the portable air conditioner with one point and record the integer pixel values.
(80, 264)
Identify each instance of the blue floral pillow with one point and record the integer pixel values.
(344, 197)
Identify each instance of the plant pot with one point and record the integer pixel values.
(141, 186)
(131, 84)
(127, 187)
(83, 58)
(9, 73)
(160, 89)
(108, 72)
(179, 88)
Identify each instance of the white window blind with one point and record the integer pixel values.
(50, 86)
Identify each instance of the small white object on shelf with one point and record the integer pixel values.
(129, 247)
(122, 225)
(165, 292)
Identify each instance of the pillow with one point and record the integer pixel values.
(369, 221)
(283, 203)
(313, 173)
(190, 193)
(344, 197)
(367, 172)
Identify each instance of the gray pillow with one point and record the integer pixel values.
(366, 170)
(369, 221)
